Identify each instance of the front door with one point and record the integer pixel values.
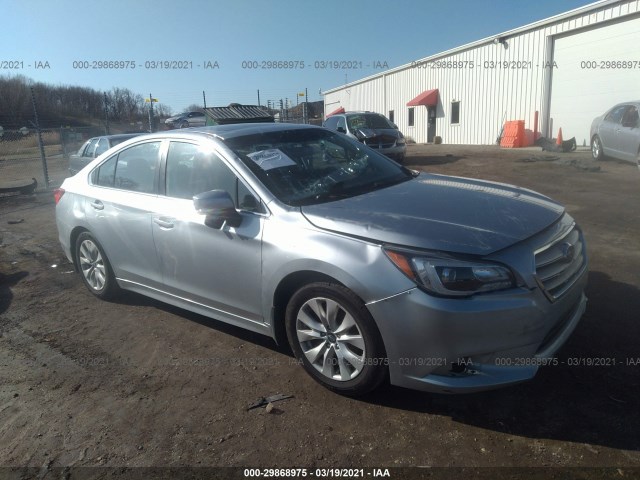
(218, 268)
(431, 124)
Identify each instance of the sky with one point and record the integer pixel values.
(219, 43)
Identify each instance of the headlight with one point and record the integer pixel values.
(451, 277)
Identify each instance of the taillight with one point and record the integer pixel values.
(57, 194)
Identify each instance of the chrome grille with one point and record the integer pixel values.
(560, 263)
(381, 141)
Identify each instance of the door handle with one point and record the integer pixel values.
(97, 204)
(163, 222)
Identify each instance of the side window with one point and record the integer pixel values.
(104, 175)
(331, 123)
(247, 200)
(103, 146)
(630, 118)
(137, 168)
(88, 152)
(616, 114)
(83, 148)
(391, 116)
(411, 117)
(192, 170)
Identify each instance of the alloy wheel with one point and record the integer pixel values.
(92, 265)
(596, 148)
(330, 339)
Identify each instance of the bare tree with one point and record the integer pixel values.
(192, 108)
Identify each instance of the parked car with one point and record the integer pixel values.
(367, 269)
(95, 147)
(616, 134)
(186, 120)
(372, 129)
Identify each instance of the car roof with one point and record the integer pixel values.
(117, 136)
(630, 102)
(240, 129)
(362, 113)
(124, 136)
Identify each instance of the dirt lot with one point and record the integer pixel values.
(138, 383)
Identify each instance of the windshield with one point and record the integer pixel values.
(368, 121)
(308, 166)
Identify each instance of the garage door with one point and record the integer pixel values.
(595, 70)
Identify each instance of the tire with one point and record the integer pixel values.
(596, 148)
(350, 366)
(184, 125)
(95, 268)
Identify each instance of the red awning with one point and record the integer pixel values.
(427, 98)
(335, 112)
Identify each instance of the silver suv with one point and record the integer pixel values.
(368, 270)
(372, 129)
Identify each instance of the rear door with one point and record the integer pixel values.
(629, 133)
(118, 208)
(609, 130)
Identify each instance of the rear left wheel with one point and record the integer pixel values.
(333, 335)
(596, 148)
(96, 270)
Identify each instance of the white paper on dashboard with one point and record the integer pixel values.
(270, 159)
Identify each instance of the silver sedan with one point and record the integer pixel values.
(366, 269)
(616, 134)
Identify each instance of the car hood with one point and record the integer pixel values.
(442, 213)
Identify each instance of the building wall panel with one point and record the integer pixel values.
(498, 82)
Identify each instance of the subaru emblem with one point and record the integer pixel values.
(568, 251)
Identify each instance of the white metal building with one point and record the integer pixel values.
(570, 68)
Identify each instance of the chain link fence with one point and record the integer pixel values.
(21, 160)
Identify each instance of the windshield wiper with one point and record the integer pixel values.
(385, 183)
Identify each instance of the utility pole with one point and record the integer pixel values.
(306, 106)
(204, 99)
(150, 113)
(45, 171)
(106, 113)
(258, 97)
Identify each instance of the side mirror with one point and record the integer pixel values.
(341, 130)
(218, 206)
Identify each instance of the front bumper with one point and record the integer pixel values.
(396, 153)
(466, 345)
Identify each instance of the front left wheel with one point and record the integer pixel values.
(94, 267)
(333, 335)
